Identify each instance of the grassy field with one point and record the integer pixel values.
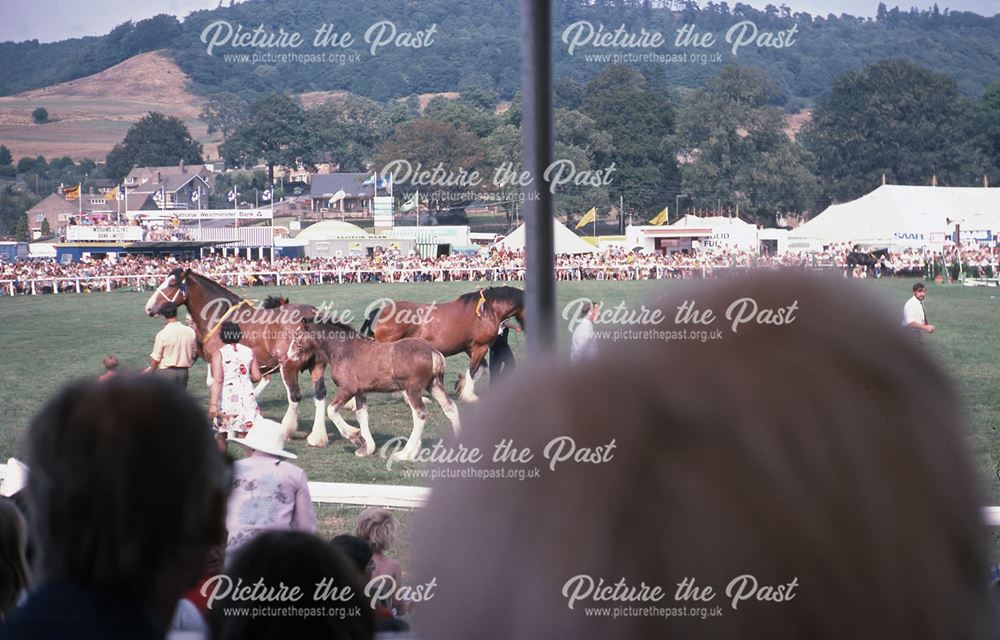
(48, 340)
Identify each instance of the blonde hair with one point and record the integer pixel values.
(377, 527)
(828, 450)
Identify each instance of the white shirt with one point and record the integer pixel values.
(584, 344)
(913, 311)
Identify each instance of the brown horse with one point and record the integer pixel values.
(359, 365)
(467, 325)
(267, 331)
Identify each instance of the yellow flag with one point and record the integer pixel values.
(72, 194)
(587, 217)
(111, 195)
(661, 217)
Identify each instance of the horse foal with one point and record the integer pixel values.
(359, 365)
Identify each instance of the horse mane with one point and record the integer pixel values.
(512, 295)
(215, 287)
(273, 302)
(336, 326)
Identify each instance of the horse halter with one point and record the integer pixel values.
(181, 289)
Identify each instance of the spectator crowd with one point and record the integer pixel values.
(48, 276)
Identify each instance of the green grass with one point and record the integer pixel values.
(48, 340)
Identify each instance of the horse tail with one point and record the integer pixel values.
(368, 328)
(438, 366)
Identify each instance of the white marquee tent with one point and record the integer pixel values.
(565, 240)
(903, 216)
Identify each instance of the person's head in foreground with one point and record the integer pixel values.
(127, 494)
(331, 603)
(230, 332)
(14, 575)
(377, 527)
(813, 474)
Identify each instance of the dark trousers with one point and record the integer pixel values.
(501, 358)
(177, 375)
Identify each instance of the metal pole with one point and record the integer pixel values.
(537, 149)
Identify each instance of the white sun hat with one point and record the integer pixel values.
(266, 436)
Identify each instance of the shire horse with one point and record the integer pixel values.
(467, 325)
(359, 365)
(267, 331)
(867, 259)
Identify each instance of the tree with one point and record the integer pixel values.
(640, 121)
(224, 112)
(155, 141)
(894, 118)
(988, 111)
(40, 115)
(46, 230)
(429, 143)
(275, 133)
(7, 169)
(21, 231)
(467, 115)
(736, 150)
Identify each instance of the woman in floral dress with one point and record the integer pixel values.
(233, 405)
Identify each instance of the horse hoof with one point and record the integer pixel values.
(404, 456)
(319, 443)
(364, 452)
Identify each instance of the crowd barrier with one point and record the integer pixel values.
(86, 284)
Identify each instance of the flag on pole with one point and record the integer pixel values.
(158, 196)
(265, 195)
(196, 195)
(587, 218)
(111, 195)
(232, 195)
(410, 204)
(72, 194)
(661, 217)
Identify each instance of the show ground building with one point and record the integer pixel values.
(692, 233)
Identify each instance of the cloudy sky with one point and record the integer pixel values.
(49, 20)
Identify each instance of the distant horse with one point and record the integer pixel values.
(359, 365)
(867, 259)
(267, 331)
(467, 325)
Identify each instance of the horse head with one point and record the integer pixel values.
(172, 289)
(506, 302)
(313, 337)
(302, 341)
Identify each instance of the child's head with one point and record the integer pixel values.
(110, 363)
(377, 527)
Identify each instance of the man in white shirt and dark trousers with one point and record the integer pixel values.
(914, 316)
(584, 345)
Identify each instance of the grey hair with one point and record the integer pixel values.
(124, 483)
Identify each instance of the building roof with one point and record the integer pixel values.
(903, 214)
(330, 229)
(324, 185)
(564, 240)
(170, 178)
(54, 203)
